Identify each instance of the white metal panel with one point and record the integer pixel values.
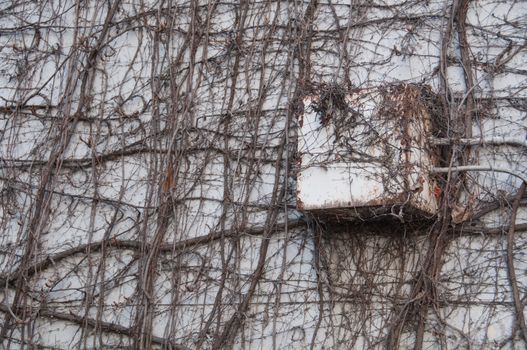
(392, 169)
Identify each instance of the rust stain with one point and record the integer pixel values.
(169, 179)
(299, 203)
(346, 204)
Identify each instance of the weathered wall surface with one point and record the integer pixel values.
(148, 157)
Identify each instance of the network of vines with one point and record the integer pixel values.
(148, 158)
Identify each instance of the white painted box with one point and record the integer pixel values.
(365, 154)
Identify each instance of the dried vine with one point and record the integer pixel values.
(149, 157)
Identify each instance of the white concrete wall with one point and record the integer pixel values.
(159, 84)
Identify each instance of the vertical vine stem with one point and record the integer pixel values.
(518, 304)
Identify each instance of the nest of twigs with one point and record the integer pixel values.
(333, 106)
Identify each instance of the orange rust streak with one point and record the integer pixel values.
(169, 180)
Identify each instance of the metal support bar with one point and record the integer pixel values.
(496, 140)
(521, 176)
